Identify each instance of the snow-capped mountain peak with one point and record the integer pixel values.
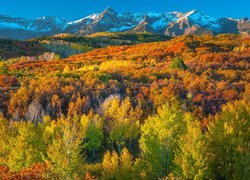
(201, 19)
(90, 17)
(169, 23)
(186, 15)
(109, 10)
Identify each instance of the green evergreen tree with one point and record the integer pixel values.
(178, 63)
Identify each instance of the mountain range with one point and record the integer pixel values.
(169, 23)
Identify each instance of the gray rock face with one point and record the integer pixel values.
(228, 25)
(169, 23)
(244, 25)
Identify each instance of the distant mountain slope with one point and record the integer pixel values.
(169, 23)
(67, 44)
(13, 49)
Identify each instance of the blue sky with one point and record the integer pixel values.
(75, 9)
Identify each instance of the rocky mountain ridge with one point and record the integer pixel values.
(169, 23)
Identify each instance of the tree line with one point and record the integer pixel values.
(114, 144)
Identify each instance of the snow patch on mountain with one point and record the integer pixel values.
(122, 28)
(154, 15)
(160, 24)
(138, 17)
(201, 19)
(90, 17)
(186, 15)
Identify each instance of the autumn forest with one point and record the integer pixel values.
(125, 106)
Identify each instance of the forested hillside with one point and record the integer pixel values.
(12, 49)
(65, 45)
(129, 108)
